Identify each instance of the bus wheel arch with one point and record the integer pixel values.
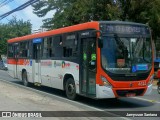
(69, 87)
(25, 78)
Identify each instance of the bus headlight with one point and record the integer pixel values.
(105, 82)
(151, 80)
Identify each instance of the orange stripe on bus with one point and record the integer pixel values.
(84, 26)
(18, 62)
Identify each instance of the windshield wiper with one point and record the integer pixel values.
(121, 46)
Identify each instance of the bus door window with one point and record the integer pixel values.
(92, 67)
(45, 48)
(88, 66)
(92, 58)
(49, 43)
(47, 51)
(84, 67)
(37, 51)
(30, 49)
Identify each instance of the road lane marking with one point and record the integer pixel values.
(153, 101)
(91, 107)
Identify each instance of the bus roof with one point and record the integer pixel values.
(83, 26)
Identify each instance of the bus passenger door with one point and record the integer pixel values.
(88, 67)
(36, 62)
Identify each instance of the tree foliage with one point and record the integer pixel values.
(144, 11)
(14, 28)
(70, 12)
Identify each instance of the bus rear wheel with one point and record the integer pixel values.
(24, 79)
(70, 89)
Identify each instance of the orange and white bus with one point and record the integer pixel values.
(105, 59)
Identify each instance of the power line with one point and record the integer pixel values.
(30, 2)
(5, 2)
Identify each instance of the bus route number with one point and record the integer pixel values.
(142, 83)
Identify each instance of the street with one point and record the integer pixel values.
(16, 97)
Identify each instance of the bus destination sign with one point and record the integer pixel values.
(37, 40)
(125, 29)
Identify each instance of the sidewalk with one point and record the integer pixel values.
(15, 100)
(155, 82)
(21, 99)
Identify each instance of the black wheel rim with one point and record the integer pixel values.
(71, 89)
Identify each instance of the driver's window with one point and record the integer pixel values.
(147, 50)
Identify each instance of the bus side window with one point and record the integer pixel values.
(70, 47)
(17, 51)
(23, 49)
(57, 49)
(10, 50)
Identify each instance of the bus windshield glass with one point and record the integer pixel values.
(123, 55)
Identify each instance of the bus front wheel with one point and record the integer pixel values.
(70, 89)
(24, 79)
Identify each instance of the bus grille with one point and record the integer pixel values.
(123, 93)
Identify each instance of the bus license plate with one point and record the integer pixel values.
(130, 94)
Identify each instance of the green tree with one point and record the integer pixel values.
(70, 12)
(14, 28)
(144, 11)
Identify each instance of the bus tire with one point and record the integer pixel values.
(70, 89)
(25, 79)
(158, 89)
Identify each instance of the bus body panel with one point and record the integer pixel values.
(22, 64)
(53, 72)
(12, 67)
(11, 70)
(104, 92)
(36, 74)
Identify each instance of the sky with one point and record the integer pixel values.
(25, 14)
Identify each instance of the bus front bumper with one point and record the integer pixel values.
(106, 92)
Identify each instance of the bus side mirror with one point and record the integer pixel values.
(100, 42)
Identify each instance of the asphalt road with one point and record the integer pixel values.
(137, 104)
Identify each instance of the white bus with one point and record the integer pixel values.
(106, 59)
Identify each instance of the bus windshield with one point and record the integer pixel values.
(123, 55)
